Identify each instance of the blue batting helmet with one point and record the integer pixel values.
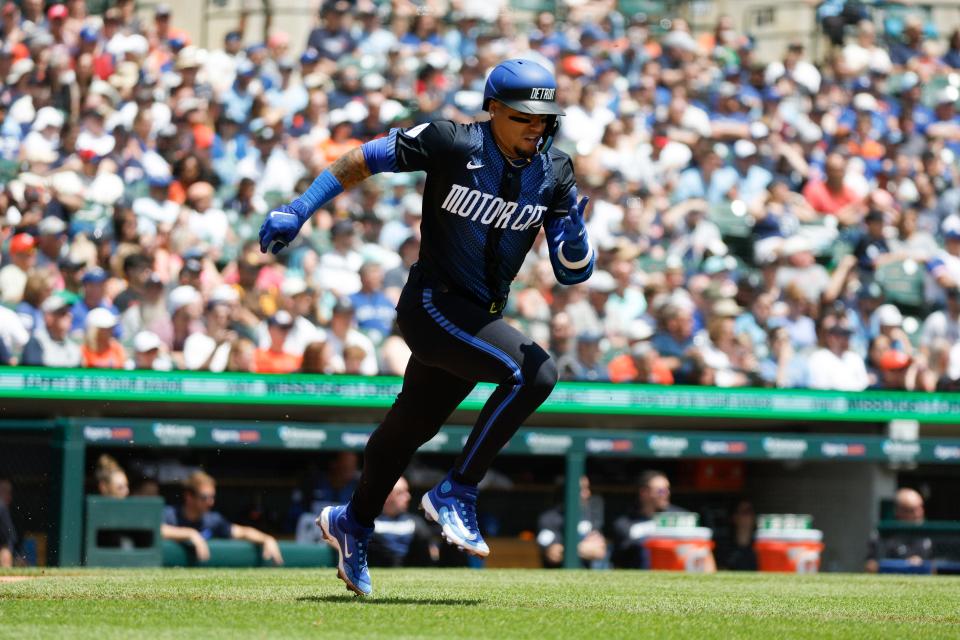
(523, 85)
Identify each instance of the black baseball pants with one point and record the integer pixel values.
(456, 343)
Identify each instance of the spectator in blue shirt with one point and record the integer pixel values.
(93, 297)
(196, 522)
(373, 310)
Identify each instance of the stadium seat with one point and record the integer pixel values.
(239, 553)
(902, 284)
(534, 6)
(123, 533)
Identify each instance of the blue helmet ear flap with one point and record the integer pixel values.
(546, 140)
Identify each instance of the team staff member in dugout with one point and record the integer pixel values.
(490, 187)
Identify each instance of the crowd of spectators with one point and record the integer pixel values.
(756, 223)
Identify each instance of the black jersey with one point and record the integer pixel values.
(480, 214)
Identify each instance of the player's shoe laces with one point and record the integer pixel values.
(454, 507)
(350, 539)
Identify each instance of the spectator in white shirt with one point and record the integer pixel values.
(834, 366)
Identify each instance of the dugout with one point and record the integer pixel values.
(829, 454)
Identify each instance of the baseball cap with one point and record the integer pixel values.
(872, 291)
(281, 319)
(893, 360)
(55, 304)
(101, 318)
(341, 227)
(93, 276)
(951, 227)
(873, 216)
(591, 337)
(309, 56)
(225, 294)
(343, 305)
(744, 149)
(192, 265)
(638, 330)
(726, 308)
(293, 287)
(51, 226)
(146, 341)
(889, 316)
(57, 12)
(22, 243)
(181, 297)
(602, 282)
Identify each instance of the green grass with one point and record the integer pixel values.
(496, 604)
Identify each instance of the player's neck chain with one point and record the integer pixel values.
(516, 163)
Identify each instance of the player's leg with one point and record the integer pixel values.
(525, 376)
(429, 395)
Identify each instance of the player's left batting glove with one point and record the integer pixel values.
(281, 227)
(569, 232)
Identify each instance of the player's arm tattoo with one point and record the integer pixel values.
(350, 169)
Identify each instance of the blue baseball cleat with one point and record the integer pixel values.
(454, 507)
(350, 540)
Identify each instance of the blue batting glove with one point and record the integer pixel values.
(570, 229)
(280, 228)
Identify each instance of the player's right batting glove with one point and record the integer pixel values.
(281, 227)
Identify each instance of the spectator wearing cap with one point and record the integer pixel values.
(898, 372)
(156, 208)
(269, 164)
(374, 312)
(184, 303)
(286, 96)
(51, 242)
(641, 362)
(332, 38)
(944, 267)
(51, 345)
(800, 268)
(942, 325)
(752, 325)
(343, 333)
(743, 180)
(674, 337)
(274, 359)
(93, 297)
(587, 365)
(148, 353)
(833, 365)
(221, 64)
(238, 99)
(230, 145)
(13, 277)
(871, 249)
(339, 267)
(100, 350)
(301, 302)
(888, 321)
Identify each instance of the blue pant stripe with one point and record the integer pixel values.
(473, 341)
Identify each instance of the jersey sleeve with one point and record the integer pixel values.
(560, 203)
(426, 147)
